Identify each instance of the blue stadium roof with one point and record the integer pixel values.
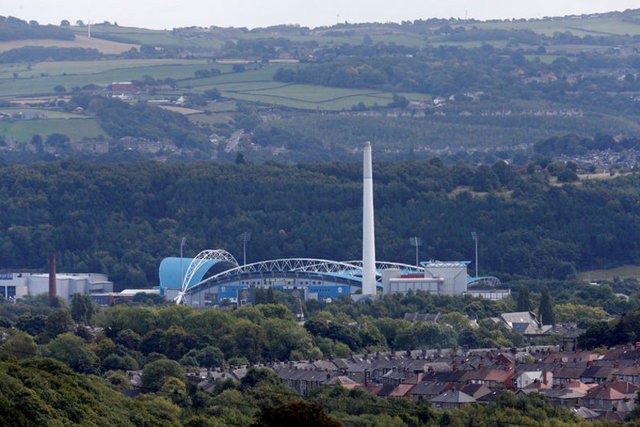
(170, 271)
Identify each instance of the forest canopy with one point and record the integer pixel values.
(122, 219)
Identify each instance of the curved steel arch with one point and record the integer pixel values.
(484, 280)
(197, 262)
(288, 264)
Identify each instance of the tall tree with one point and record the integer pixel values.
(58, 321)
(73, 351)
(81, 308)
(524, 304)
(156, 373)
(545, 311)
(18, 344)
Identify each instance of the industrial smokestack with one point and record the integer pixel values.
(52, 280)
(368, 233)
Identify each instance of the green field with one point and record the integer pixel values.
(545, 59)
(625, 272)
(217, 39)
(578, 26)
(41, 78)
(311, 97)
(24, 130)
(104, 66)
(581, 27)
(256, 84)
(500, 44)
(144, 36)
(48, 113)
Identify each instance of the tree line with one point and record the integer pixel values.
(40, 53)
(12, 28)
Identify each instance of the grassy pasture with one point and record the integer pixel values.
(23, 130)
(165, 38)
(7, 70)
(499, 44)
(417, 40)
(101, 66)
(221, 106)
(581, 28)
(257, 86)
(81, 41)
(49, 114)
(344, 101)
(263, 72)
(607, 26)
(144, 36)
(410, 40)
(43, 77)
(313, 94)
(625, 272)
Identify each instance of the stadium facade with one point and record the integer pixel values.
(214, 277)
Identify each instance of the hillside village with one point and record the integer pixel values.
(594, 385)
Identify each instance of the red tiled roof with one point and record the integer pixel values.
(605, 392)
(401, 390)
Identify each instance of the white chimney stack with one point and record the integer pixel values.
(368, 233)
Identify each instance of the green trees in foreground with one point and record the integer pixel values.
(86, 380)
(42, 391)
(624, 330)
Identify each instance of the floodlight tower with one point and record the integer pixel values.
(368, 233)
(244, 237)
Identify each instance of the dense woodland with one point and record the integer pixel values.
(122, 219)
(121, 119)
(445, 70)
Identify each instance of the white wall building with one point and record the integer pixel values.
(19, 285)
(441, 278)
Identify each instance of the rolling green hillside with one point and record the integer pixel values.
(451, 88)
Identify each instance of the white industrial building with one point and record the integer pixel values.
(441, 278)
(19, 285)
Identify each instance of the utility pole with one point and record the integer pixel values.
(417, 242)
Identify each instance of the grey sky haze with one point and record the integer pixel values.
(168, 14)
